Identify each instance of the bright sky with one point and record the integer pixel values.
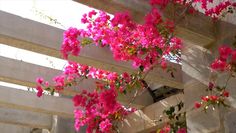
(67, 12)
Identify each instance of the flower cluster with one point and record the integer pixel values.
(74, 71)
(70, 42)
(223, 7)
(100, 110)
(213, 100)
(226, 62)
(144, 44)
(167, 129)
(100, 107)
(220, 9)
(39, 87)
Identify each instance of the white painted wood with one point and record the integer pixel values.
(19, 72)
(146, 119)
(25, 118)
(8, 128)
(23, 100)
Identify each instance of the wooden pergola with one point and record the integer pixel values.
(22, 111)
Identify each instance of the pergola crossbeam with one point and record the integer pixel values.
(25, 118)
(23, 100)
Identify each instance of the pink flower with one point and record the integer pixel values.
(182, 130)
(165, 129)
(112, 76)
(121, 18)
(163, 64)
(217, 10)
(40, 91)
(126, 77)
(105, 126)
(84, 19)
(191, 10)
(162, 3)
(224, 52)
(71, 68)
(77, 100)
(226, 94)
(78, 113)
(197, 105)
(170, 25)
(46, 84)
(153, 18)
(70, 42)
(205, 98)
(177, 43)
(108, 100)
(77, 124)
(59, 80)
(210, 85)
(92, 13)
(219, 65)
(39, 80)
(214, 98)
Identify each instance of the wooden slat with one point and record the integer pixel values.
(146, 119)
(25, 118)
(22, 73)
(30, 35)
(23, 100)
(9, 128)
(112, 6)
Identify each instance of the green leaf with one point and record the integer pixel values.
(69, 84)
(52, 92)
(218, 88)
(86, 41)
(138, 85)
(124, 92)
(172, 109)
(48, 89)
(117, 84)
(159, 51)
(141, 68)
(168, 112)
(180, 105)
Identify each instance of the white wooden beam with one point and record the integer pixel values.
(30, 35)
(146, 119)
(23, 100)
(19, 72)
(25, 118)
(23, 73)
(8, 128)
